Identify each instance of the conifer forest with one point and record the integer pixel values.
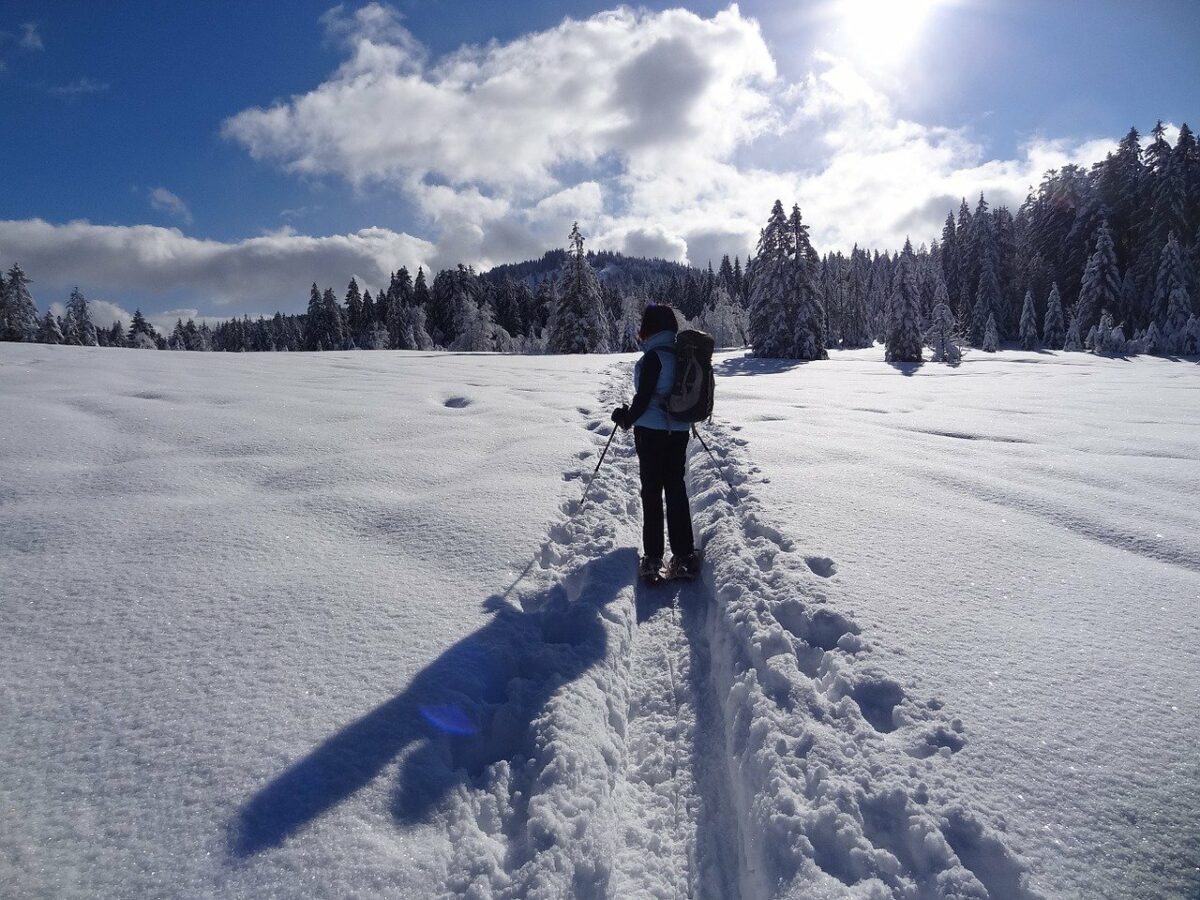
(1105, 259)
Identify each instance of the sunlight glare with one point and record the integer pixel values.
(883, 31)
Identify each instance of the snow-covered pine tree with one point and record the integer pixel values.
(1029, 329)
(177, 340)
(987, 298)
(314, 318)
(1053, 330)
(78, 329)
(142, 335)
(1171, 274)
(903, 342)
(580, 324)
(355, 325)
(1175, 322)
(1191, 344)
(18, 312)
(49, 331)
(942, 334)
(725, 320)
(771, 311)
(808, 330)
(1073, 343)
(1105, 340)
(991, 338)
(1152, 341)
(336, 337)
(856, 321)
(368, 319)
(1101, 285)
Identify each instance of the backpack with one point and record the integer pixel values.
(691, 397)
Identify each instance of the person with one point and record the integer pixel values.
(661, 449)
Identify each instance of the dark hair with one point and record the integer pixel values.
(658, 318)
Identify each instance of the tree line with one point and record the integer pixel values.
(1105, 259)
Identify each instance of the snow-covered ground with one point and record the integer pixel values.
(336, 625)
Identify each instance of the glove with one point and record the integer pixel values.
(620, 416)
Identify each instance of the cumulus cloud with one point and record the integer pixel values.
(162, 199)
(676, 129)
(662, 133)
(270, 271)
(502, 116)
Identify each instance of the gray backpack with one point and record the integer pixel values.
(691, 397)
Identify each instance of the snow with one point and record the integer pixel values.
(336, 624)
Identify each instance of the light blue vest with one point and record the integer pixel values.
(655, 415)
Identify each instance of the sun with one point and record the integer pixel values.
(882, 32)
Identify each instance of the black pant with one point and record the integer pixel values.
(662, 460)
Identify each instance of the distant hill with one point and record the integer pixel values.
(614, 269)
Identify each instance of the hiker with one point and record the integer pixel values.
(662, 451)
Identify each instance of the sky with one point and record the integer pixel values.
(214, 159)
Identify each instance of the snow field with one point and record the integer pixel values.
(337, 625)
(1018, 535)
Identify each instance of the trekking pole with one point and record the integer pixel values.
(600, 461)
(732, 489)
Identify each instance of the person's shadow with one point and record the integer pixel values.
(470, 707)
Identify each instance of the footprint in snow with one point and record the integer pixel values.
(822, 566)
(457, 403)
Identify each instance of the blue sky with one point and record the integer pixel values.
(283, 147)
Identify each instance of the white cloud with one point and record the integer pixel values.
(30, 38)
(162, 199)
(677, 131)
(80, 87)
(502, 116)
(271, 271)
(664, 134)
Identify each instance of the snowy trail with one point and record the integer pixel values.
(732, 737)
(625, 792)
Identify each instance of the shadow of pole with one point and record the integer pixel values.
(470, 707)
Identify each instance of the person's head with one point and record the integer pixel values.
(656, 318)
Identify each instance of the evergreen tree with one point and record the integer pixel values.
(142, 335)
(1053, 333)
(1152, 341)
(1107, 339)
(49, 331)
(1175, 322)
(336, 337)
(18, 312)
(856, 319)
(950, 258)
(1101, 286)
(579, 323)
(942, 334)
(1072, 342)
(355, 322)
(368, 318)
(1029, 329)
(1191, 344)
(78, 328)
(421, 291)
(903, 343)
(1171, 275)
(725, 320)
(991, 339)
(314, 319)
(808, 330)
(771, 312)
(987, 299)
(968, 274)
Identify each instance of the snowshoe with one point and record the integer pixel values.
(650, 570)
(684, 568)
